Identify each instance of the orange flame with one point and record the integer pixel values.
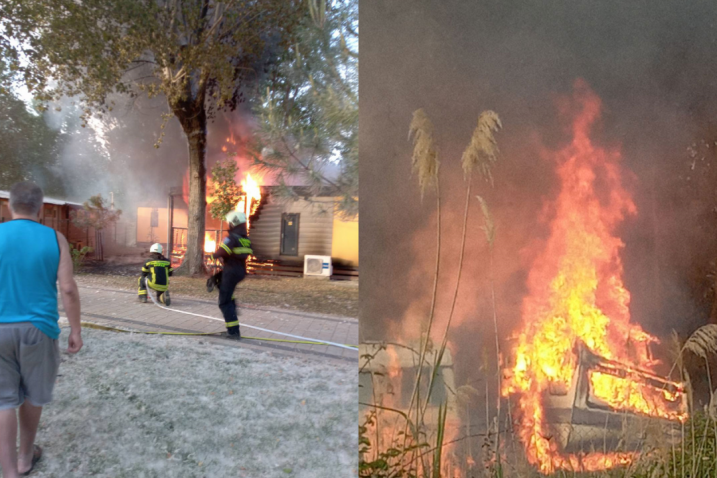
(252, 197)
(210, 244)
(577, 294)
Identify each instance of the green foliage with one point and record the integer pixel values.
(95, 213)
(309, 114)
(226, 191)
(187, 51)
(385, 461)
(28, 147)
(438, 451)
(78, 256)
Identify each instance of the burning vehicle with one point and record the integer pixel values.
(601, 417)
(580, 373)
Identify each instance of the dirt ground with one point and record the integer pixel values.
(308, 295)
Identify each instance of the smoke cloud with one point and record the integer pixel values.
(116, 153)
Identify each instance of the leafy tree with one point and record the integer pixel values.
(28, 147)
(95, 214)
(199, 55)
(309, 114)
(227, 192)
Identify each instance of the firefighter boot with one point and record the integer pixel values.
(233, 333)
(167, 300)
(143, 299)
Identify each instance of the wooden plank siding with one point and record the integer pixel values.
(57, 216)
(315, 230)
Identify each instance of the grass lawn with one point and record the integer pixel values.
(145, 406)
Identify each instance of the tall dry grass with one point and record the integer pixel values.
(479, 156)
(425, 165)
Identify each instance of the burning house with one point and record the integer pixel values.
(282, 232)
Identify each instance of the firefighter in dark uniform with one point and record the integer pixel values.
(234, 251)
(156, 272)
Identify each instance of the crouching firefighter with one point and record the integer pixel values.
(234, 251)
(155, 274)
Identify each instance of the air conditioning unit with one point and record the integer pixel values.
(317, 266)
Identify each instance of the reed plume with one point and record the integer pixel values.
(425, 165)
(703, 341)
(425, 158)
(482, 151)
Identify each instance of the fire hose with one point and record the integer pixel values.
(298, 339)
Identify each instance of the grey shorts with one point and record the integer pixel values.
(29, 361)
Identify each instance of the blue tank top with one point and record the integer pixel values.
(29, 257)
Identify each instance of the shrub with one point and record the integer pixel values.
(78, 256)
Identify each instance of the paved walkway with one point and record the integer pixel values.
(120, 308)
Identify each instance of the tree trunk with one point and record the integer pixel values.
(194, 124)
(99, 254)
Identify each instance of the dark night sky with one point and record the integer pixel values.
(653, 64)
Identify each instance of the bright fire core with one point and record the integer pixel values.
(576, 293)
(252, 197)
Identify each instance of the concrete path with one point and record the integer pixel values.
(120, 308)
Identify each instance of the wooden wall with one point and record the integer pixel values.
(57, 217)
(315, 229)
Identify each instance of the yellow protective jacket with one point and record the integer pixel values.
(158, 270)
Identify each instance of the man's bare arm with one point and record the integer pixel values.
(70, 295)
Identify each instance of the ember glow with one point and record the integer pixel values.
(576, 296)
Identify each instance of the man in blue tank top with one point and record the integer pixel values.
(29, 353)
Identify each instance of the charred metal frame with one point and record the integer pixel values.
(582, 423)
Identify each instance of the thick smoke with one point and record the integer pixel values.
(652, 66)
(116, 152)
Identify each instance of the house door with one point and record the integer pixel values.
(289, 234)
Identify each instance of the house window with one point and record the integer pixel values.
(154, 218)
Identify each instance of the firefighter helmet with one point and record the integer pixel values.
(235, 218)
(156, 247)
